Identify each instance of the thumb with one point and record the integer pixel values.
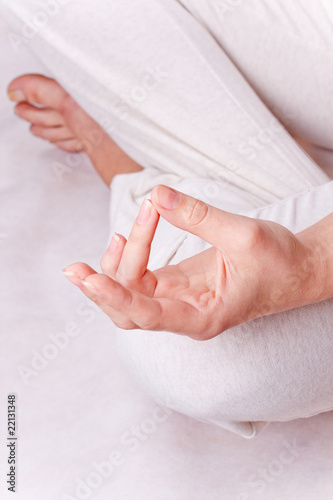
(219, 228)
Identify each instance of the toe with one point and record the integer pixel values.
(71, 145)
(37, 89)
(52, 134)
(43, 117)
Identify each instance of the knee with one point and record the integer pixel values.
(263, 370)
(204, 380)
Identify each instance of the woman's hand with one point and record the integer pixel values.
(253, 268)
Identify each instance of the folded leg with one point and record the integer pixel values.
(166, 92)
(275, 368)
(164, 89)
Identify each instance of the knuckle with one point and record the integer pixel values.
(132, 280)
(254, 235)
(198, 213)
(65, 102)
(35, 94)
(103, 261)
(137, 239)
(123, 280)
(151, 322)
(23, 110)
(134, 238)
(105, 265)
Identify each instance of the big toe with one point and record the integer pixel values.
(37, 89)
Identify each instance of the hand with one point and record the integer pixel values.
(253, 268)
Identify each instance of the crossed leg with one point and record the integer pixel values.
(190, 128)
(58, 119)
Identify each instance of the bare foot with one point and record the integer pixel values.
(58, 119)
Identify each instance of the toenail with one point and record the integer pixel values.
(16, 95)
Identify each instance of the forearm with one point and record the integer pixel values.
(319, 238)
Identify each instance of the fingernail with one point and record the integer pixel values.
(74, 278)
(167, 198)
(16, 95)
(89, 285)
(69, 273)
(145, 212)
(114, 243)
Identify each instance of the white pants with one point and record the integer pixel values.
(157, 75)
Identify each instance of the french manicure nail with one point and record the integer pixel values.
(167, 198)
(74, 278)
(89, 285)
(145, 212)
(114, 243)
(16, 95)
(69, 273)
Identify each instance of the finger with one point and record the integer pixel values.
(37, 89)
(44, 117)
(129, 309)
(80, 274)
(135, 257)
(148, 313)
(111, 259)
(219, 228)
(52, 134)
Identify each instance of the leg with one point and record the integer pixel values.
(60, 120)
(176, 103)
(194, 133)
(273, 368)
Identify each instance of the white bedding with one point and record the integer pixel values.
(80, 406)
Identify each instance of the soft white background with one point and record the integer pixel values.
(76, 409)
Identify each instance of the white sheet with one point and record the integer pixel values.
(77, 408)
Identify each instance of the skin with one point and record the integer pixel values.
(61, 121)
(254, 267)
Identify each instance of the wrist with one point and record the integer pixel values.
(319, 262)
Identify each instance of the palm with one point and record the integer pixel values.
(193, 280)
(199, 282)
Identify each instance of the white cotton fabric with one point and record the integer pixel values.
(157, 77)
